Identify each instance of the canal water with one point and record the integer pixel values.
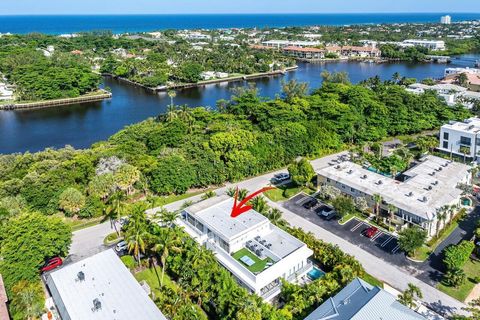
(83, 124)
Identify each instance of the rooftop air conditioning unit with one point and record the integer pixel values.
(350, 171)
(364, 176)
(410, 194)
(337, 167)
(97, 305)
(80, 276)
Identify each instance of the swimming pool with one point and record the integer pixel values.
(315, 273)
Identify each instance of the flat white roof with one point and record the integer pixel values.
(215, 212)
(431, 184)
(471, 125)
(107, 279)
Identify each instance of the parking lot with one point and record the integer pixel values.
(381, 244)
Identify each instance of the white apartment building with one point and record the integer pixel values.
(256, 252)
(446, 19)
(461, 138)
(436, 45)
(280, 44)
(419, 195)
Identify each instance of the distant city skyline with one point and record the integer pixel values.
(43, 7)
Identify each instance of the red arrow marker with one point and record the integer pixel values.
(242, 207)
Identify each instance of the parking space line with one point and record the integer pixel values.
(386, 241)
(376, 236)
(357, 226)
(396, 249)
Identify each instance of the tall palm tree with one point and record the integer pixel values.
(172, 94)
(441, 216)
(171, 113)
(378, 200)
(391, 213)
(136, 233)
(167, 240)
(116, 209)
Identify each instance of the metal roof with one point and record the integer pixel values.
(103, 277)
(359, 301)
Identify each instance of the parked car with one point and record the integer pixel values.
(51, 264)
(310, 204)
(326, 212)
(121, 246)
(281, 177)
(370, 232)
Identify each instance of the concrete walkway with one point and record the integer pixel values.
(395, 277)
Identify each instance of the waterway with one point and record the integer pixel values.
(83, 124)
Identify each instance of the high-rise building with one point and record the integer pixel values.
(446, 20)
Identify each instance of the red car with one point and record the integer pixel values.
(52, 264)
(370, 232)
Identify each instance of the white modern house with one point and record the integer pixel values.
(256, 252)
(461, 138)
(99, 288)
(419, 193)
(436, 45)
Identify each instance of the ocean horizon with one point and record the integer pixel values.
(124, 23)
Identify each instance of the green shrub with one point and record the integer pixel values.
(128, 261)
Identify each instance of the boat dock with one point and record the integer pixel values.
(56, 102)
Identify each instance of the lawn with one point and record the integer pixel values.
(372, 280)
(422, 253)
(286, 191)
(161, 201)
(153, 277)
(259, 264)
(472, 269)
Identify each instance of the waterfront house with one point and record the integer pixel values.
(256, 252)
(419, 193)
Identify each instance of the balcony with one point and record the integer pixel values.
(300, 272)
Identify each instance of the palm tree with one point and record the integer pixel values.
(391, 213)
(465, 151)
(116, 209)
(172, 94)
(136, 232)
(441, 216)
(409, 295)
(275, 216)
(396, 77)
(166, 241)
(166, 217)
(378, 200)
(259, 204)
(171, 113)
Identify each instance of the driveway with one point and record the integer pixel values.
(383, 245)
(433, 267)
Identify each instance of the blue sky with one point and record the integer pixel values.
(9, 7)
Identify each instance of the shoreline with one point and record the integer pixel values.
(58, 102)
(204, 82)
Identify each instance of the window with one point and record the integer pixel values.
(445, 144)
(465, 141)
(445, 136)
